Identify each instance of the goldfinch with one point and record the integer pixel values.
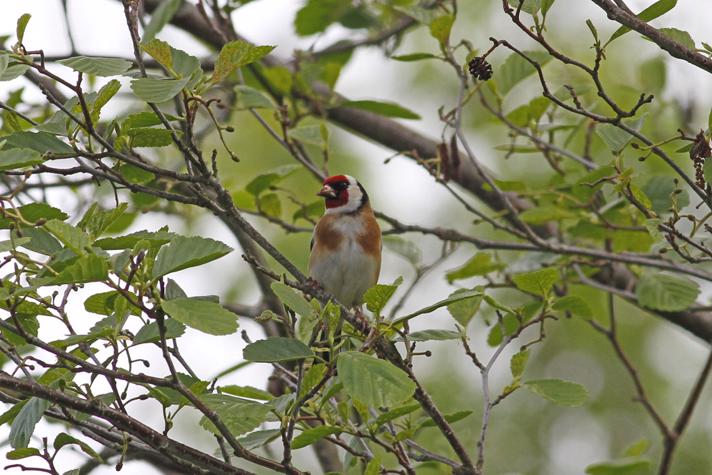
(346, 247)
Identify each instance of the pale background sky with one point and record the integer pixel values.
(99, 29)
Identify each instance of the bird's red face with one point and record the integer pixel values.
(335, 191)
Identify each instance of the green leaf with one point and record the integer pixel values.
(258, 438)
(104, 95)
(515, 69)
(33, 212)
(660, 190)
(156, 238)
(22, 453)
(666, 292)
(21, 26)
(134, 174)
(276, 349)
(518, 363)
(160, 17)
(204, 315)
(564, 393)
(637, 448)
(462, 310)
(308, 134)
(653, 74)
(573, 304)
(414, 57)
(528, 6)
(247, 392)
(63, 439)
(88, 268)
(655, 10)
(454, 417)
(12, 70)
(378, 296)
(292, 299)
(479, 264)
(237, 54)
(270, 204)
(239, 415)
(454, 297)
(543, 214)
(440, 29)
(538, 282)
(373, 382)
(679, 36)
(387, 109)
(316, 15)
(41, 142)
(104, 303)
(622, 466)
(97, 66)
(149, 137)
(429, 335)
(615, 137)
(24, 423)
(406, 249)
(72, 237)
(160, 51)
(262, 182)
(184, 252)
(250, 98)
(15, 158)
(394, 414)
(150, 333)
(157, 90)
(310, 436)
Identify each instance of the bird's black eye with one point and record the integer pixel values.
(340, 185)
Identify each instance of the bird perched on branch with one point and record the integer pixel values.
(346, 247)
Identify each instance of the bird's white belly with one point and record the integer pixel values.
(346, 273)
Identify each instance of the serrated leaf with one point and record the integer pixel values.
(24, 423)
(104, 95)
(157, 90)
(310, 436)
(72, 237)
(680, 36)
(462, 310)
(184, 252)
(239, 415)
(97, 66)
(156, 238)
(63, 439)
(454, 297)
(622, 466)
(518, 363)
(262, 182)
(258, 438)
(666, 292)
(21, 26)
(378, 296)
(150, 333)
(573, 304)
(479, 264)
(15, 158)
(22, 453)
(386, 109)
(564, 393)
(160, 51)
(308, 134)
(437, 335)
(515, 69)
(292, 299)
(440, 28)
(32, 212)
(149, 137)
(538, 282)
(237, 54)
(250, 98)
(277, 349)
(655, 10)
(88, 268)
(41, 142)
(246, 392)
(373, 382)
(204, 315)
(160, 17)
(414, 57)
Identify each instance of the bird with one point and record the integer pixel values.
(345, 258)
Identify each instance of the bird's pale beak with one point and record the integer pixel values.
(327, 192)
